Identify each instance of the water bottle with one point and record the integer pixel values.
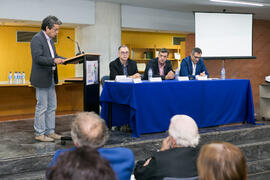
(150, 73)
(10, 78)
(19, 77)
(23, 77)
(223, 73)
(15, 78)
(176, 74)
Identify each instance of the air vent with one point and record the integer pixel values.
(178, 40)
(26, 36)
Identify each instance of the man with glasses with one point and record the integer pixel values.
(193, 65)
(44, 77)
(123, 65)
(161, 66)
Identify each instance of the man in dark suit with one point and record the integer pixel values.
(193, 65)
(44, 77)
(123, 65)
(178, 154)
(161, 67)
(88, 129)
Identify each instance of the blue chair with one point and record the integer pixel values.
(190, 178)
(104, 78)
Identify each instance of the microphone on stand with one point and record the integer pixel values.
(80, 52)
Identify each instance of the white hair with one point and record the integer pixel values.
(184, 130)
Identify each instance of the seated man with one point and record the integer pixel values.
(123, 65)
(193, 65)
(84, 163)
(220, 161)
(88, 129)
(161, 67)
(178, 154)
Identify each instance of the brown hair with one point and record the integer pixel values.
(221, 161)
(83, 163)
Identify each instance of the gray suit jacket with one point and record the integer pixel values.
(42, 62)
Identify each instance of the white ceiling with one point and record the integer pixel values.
(200, 5)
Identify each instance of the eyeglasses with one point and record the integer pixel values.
(124, 52)
(197, 57)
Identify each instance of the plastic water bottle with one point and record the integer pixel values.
(10, 78)
(23, 77)
(150, 73)
(176, 74)
(19, 78)
(223, 73)
(15, 78)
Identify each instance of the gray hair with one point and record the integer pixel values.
(184, 130)
(88, 129)
(196, 50)
(122, 46)
(50, 21)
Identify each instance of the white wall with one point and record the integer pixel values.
(157, 19)
(68, 11)
(104, 37)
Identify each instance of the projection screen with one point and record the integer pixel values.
(224, 35)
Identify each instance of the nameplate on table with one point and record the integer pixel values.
(201, 77)
(182, 78)
(137, 80)
(155, 79)
(122, 78)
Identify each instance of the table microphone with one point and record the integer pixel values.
(77, 46)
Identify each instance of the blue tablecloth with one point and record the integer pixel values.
(147, 107)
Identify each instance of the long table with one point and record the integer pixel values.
(148, 106)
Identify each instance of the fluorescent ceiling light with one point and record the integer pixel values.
(239, 2)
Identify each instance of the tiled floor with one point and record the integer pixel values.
(17, 137)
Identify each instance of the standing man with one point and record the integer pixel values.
(44, 77)
(123, 65)
(193, 65)
(160, 66)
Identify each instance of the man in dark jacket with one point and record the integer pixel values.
(44, 77)
(160, 66)
(193, 65)
(123, 65)
(178, 154)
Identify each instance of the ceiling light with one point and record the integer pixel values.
(239, 2)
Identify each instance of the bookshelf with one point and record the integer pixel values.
(145, 46)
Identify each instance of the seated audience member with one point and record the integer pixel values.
(88, 129)
(193, 65)
(84, 163)
(123, 65)
(178, 154)
(161, 67)
(221, 161)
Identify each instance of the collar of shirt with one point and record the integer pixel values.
(161, 69)
(47, 37)
(123, 64)
(193, 68)
(124, 68)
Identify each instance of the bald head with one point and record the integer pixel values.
(88, 129)
(184, 130)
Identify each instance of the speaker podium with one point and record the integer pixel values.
(90, 79)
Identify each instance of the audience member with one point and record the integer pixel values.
(178, 154)
(221, 161)
(88, 129)
(123, 65)
(161, 66)
(193, 65)
(84, 163)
